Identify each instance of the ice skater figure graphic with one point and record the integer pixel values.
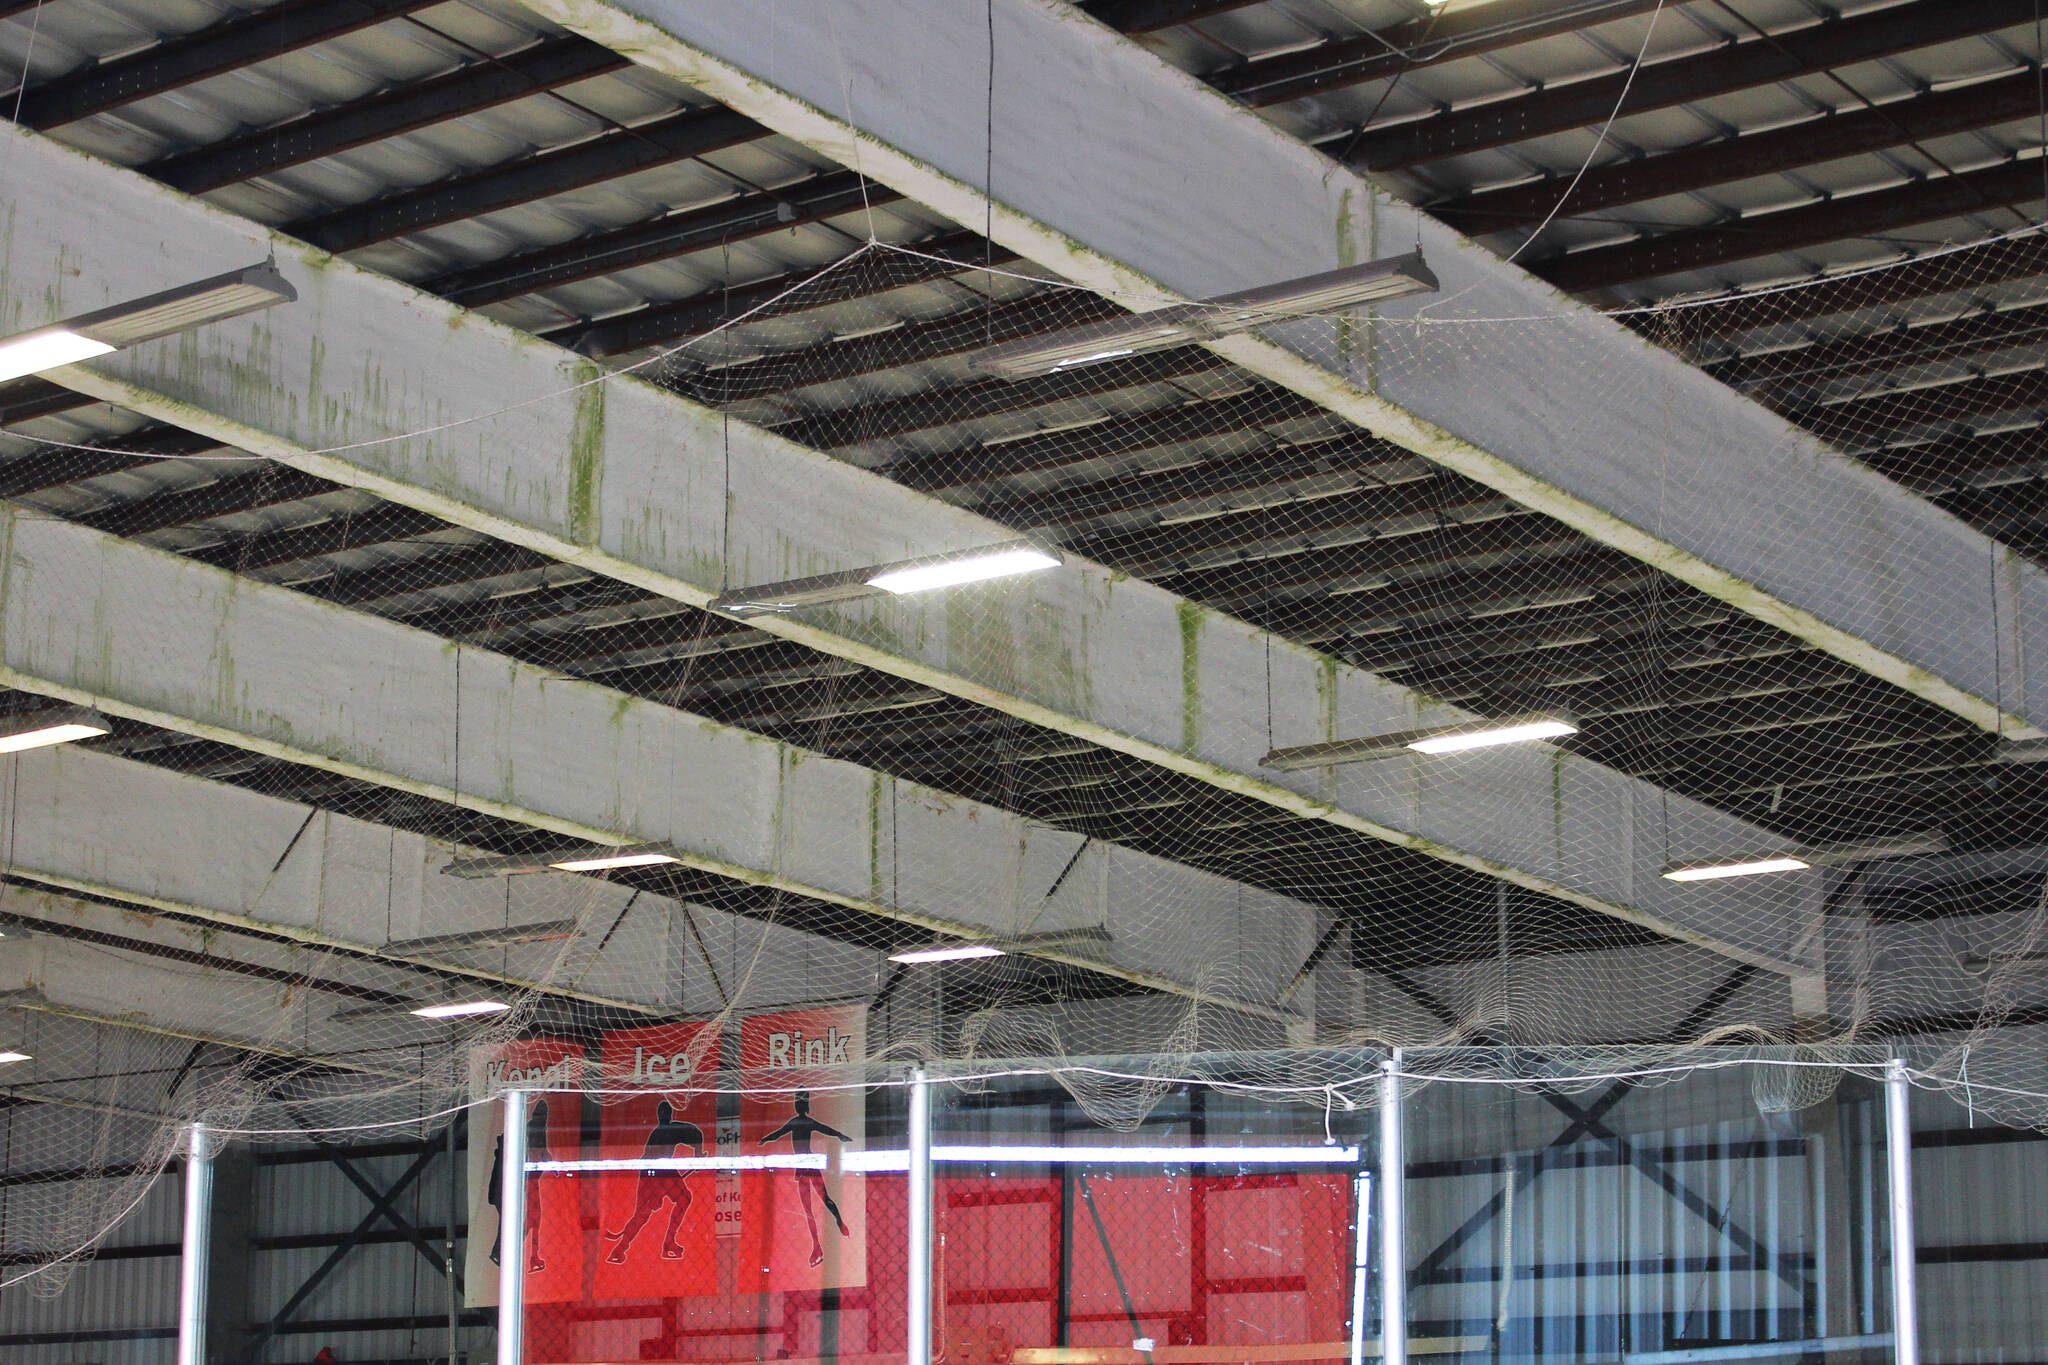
(657, 1186)
(799, 1129)
(536, 1150)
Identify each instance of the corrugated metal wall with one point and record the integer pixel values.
(121, 1292)
(1653, 1231)
(383, 1301)
(386, 1282)
(1981, 1215)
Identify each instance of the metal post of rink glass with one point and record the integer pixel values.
(512, 1233)
(1393, 1223)
(1898, 1113)
(198, 1236)
(918, 1237)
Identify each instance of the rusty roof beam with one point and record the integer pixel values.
(1425, 41)
(1682, 80)
(547, 64)
(1744, 157)
(242, 39)
(1873, 213)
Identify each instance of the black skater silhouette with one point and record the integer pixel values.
(536, 1150)
(656, 1187)
(799, 1129)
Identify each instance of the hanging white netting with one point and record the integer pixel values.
(209, 931)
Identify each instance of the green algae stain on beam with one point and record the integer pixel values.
(586, 453)
(1191, 617)
(1347, 255)
(875, 784)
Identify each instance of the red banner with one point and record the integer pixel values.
(554, 1233)
(803, 1228)
(655, 1225)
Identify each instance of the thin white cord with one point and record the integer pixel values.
(1598, 142)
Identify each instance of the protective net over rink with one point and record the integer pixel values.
(1257, 574)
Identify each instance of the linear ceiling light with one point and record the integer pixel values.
(576, 858)
(609, 862)
(949, 570)
(1480, 734)
(1186, 323)
(461, 1009)
(974, 568)
(948, 952)
(1739, 867)
(125, 324)
(1821, 855)
(1043, 941)
(498, 936)
(60, 725)
(1492, 736)
(12, 1056)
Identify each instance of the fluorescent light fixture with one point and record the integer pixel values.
(1440, 739)
(1981, 963)
(607, 862)
(1458, 741)
(1740, 867)
(1872, 850)
(1112, 354)
(46, 349)
(1186, 323)
(125, 324)
(60, 725)
(976, 568)
(1058, 938)
(948, 570)
(12, 1056)
(1041, 942)
(579, 858)
(461, 1009)
(1824, 855)
(497, 936)
(948, 952)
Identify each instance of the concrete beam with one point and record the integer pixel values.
(119, 988)
(636, 484)
(143, 633)
(347, 893)
(1124, 174)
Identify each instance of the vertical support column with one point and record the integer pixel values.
(231, 1224)
(512, 1233)
(1361, 1261)
(455, 1184)
(1393, 1224)
(197, 1242)
(918, 1237)
(1898, 1113)
(1063, 1303)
